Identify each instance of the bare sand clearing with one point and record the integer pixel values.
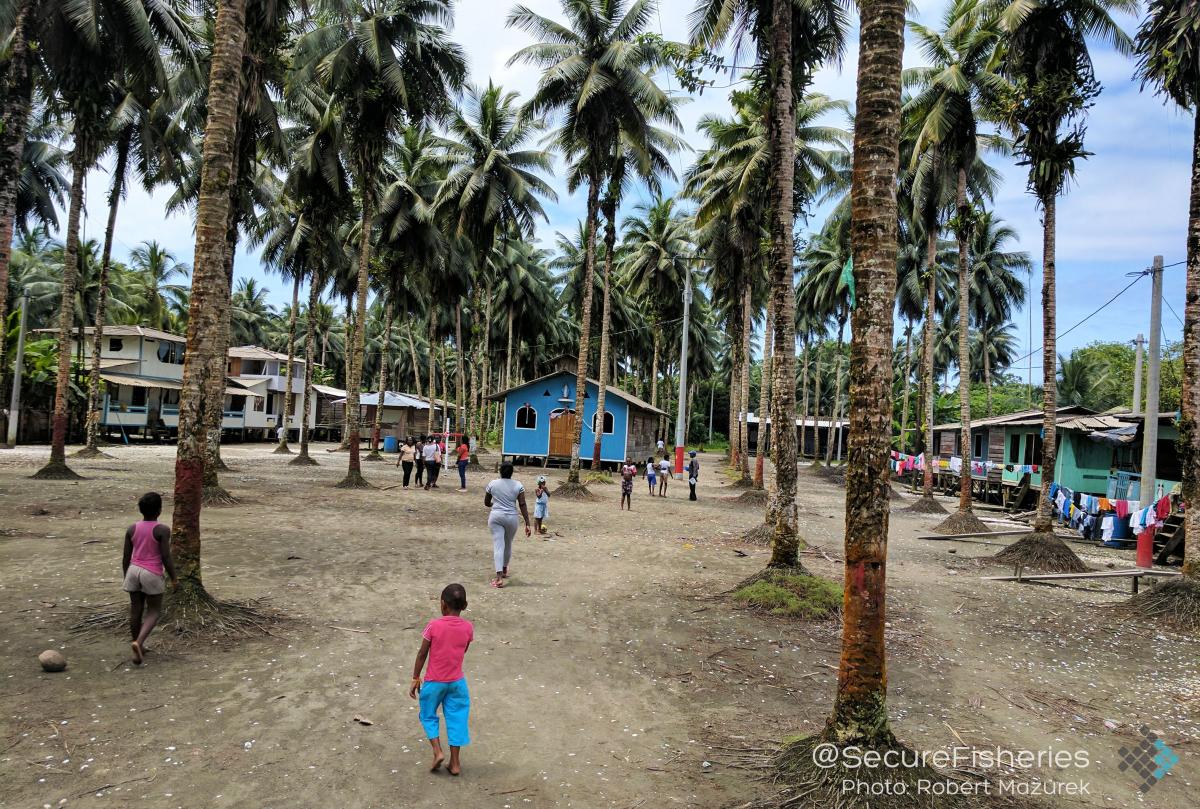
(609, 674)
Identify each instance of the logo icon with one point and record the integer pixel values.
(1150, 759)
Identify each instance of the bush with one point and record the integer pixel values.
(795, 595)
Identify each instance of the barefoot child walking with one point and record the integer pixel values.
(445, 644)
(628, 473)
(147, 554)
(651, 474)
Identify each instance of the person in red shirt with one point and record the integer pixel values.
(463, 453)
(444, 645)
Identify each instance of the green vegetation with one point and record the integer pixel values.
(795, 595)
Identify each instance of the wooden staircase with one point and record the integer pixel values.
(1169, 539)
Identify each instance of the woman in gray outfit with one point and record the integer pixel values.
(505, 497)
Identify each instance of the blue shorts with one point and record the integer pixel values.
(652, 479)
(455, 701)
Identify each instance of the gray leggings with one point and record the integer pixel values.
(503, 528)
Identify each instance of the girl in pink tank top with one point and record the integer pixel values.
(147, 556)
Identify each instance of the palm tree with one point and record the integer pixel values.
(492, 189)
(1045, 58)
(658, 250)
(860, 708)
(599, 74)
(383, 64)
(209, 296)
(1168, 47)
(84, 47)
(250, 313)
(791, 48)
(951, 90)
(157, 269)
(995, 287)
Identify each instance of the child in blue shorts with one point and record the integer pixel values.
(445, 644)
(651, 474)
(541, 505)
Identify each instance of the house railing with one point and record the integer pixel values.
(1124, 486)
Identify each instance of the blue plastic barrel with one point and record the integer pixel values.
(390, 444)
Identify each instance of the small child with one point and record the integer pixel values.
(628, 473)
(147, 554)
(445, 644)
(541, 505)
(664, 475)
(651, 474)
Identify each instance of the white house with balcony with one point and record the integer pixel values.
(260, 377)
(142, 372)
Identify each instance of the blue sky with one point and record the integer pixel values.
(1128, 202)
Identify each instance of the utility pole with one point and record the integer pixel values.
(14, 406)
(681, 416)
(1138, 348)
(1150, 421)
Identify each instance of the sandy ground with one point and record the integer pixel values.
(610, 674)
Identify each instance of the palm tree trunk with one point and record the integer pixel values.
(737, 359)
(18, 99)
(283, 448)
(764, 398)
(860, 708)
(310, 338)
(114, 199)
(57, 468)
(987, 377)
(205, 332)
(508, 363)
(1189, 431)
(459, 383)
(366, 180)
(377, 427)
(835, 425)
(930, 386)
(485, 367)
(817, 379)
(781, 127)
(964, 342)
(654, 373)
(347, 350)
(908, 331)
(1043, 522)
(610, 247)
(433, 372)
(585, 323)
(213, 494)
(806, 359)
(744, 395)
(412, 351)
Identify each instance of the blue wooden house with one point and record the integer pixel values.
(540, 417)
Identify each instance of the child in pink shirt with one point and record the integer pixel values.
(445, 644)
(144, 561)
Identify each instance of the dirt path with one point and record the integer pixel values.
(607, 675)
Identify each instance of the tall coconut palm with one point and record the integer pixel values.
(791, 47)
(860, 708)
(1045, 57)
(84, 47)
(158, 271)
(598, 73)
(209, 298)
(995, 288)
(492, 189)
(950, 92)
(384, 63)
(1168, 46)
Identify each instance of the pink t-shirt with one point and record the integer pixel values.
(146, 554)
(449, 637)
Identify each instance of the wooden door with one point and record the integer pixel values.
(562, 433)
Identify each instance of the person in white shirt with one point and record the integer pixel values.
(664, 475)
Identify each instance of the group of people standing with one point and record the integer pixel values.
(424, 455)
(658, 473)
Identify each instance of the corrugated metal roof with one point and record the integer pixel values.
(259, 353)
(326, 390)
(392, 399)
(1021, 418)
(125, 331)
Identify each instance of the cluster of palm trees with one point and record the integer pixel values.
(342, 137)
